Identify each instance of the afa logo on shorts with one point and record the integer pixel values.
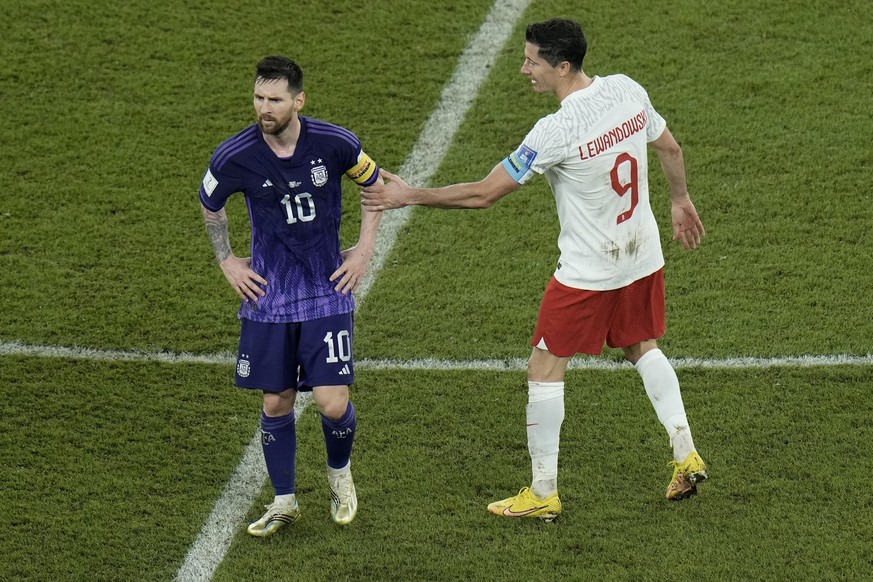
(243, 367)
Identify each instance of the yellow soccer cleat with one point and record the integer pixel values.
(277, 516)
(526, 504)
(687, 475)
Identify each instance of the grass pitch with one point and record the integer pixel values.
(109, 469)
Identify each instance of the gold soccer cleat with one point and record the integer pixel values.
(343, 497)
(277, 516)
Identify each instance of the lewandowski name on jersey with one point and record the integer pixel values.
(614, 136)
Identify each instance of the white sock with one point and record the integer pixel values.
(680, 439)
(289, 499)
(545, 413)
(662, 387)
(341, 471)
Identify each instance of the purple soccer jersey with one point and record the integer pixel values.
(295, 208)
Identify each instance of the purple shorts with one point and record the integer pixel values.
(278, 356)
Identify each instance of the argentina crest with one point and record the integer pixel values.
(319, 174)
(243, 368)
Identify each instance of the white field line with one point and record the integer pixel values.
(478, 58)
(214, 539)
(509, 364)
(596, 363)
(439, 131)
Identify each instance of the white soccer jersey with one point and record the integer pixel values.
(593, 153)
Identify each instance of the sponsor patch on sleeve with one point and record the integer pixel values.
(209, 183)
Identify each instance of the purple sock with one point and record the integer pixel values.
(338, 436)
(279, 442)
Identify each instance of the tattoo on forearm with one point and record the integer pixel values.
(216, 228)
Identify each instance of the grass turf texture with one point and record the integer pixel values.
(112, 481)
(774, 509)
(109, 469)
(775, 139)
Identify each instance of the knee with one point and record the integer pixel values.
(544, 366)
(636, 351)
(279, 404)
(333, 404)
(334, 410)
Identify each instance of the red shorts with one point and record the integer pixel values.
(575, 321)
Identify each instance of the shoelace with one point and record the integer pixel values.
(342, 488)
(273, 507)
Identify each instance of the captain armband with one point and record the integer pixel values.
(364, 172)
(518, 164)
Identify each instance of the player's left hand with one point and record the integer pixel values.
(687, 227)
(350, 274)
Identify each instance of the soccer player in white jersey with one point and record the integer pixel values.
(297, 307)
(609, 285)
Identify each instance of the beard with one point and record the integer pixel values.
(277, 128)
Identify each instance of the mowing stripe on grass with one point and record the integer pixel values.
(478, 57)
(508, 364)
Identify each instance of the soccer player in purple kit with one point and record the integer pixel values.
(296, 288)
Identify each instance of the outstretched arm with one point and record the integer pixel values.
(237, 271)
(687, 227)
(481, 194)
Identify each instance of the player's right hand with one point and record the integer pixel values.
(385, 196)
(238, 272)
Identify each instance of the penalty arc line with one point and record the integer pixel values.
(457, 96)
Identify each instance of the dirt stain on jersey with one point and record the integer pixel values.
(631, 248)
(633, 245)
(612, 251)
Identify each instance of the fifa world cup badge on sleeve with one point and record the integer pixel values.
(209, 183)
(526, 155)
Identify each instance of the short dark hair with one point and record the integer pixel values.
(559, 40)
(274, 67)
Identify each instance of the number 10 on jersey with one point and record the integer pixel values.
(300, 208)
